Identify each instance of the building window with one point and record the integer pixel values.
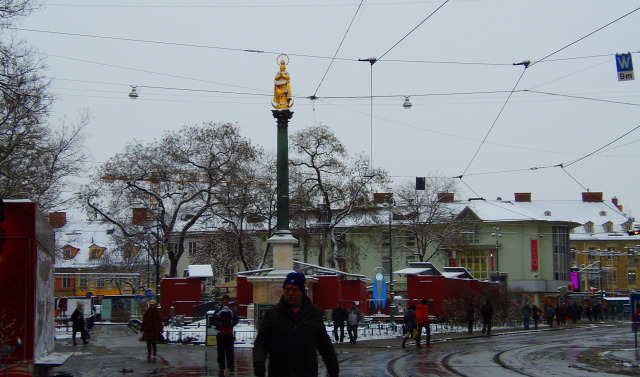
(560, 243)
(471, 234)
(608, 227)
(588, 227)
(384, 238)
(410, 239)
(192, 247)
(94, 254)
(66, 281)
(83, 282)
(632, 278)
(67, 254)
(100, 283)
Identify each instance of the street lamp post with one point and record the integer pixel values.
(392, 305)
(496, 233)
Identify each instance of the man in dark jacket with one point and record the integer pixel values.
(339, 316)
(77, 319)
(292, 334)
(224, 320)
(487, 314)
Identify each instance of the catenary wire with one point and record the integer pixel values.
(412, 30)
(579, 39)
(495, 121)
(338, 49)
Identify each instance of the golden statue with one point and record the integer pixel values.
(282, 88)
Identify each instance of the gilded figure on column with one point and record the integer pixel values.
(282, 87)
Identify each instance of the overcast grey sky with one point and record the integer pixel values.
(474, 113)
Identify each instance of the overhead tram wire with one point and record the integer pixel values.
(579, 39)
(526, 65)
(338, 49)
(414, 29)
(580, 97)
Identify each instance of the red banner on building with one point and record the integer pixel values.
(534, 255)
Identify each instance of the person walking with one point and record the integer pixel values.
(471, 313)
(339, 316)
(78, 324)
(224, 321)
(422, 321)
(526, 315)
(487, 314)
(535, 314)
(551, 312)
(354, 316)
(291, 335)
(409, 324)
(151, 327)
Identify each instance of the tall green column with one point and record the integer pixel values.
(282, 117)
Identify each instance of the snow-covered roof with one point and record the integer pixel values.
(599, 220)
(81, 234)
(412, 271)
(200, 271)
(453, 274)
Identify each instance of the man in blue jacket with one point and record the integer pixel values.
(292, 334)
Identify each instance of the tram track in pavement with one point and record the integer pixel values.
(510, 359)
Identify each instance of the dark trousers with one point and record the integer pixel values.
(151, 345)
(486, 325)
(353, 332)
(469, 327)
(83, 336)
(337, 325)
(424, 326)
(225, 351)
(526, 323)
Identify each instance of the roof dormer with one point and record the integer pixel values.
(69, 252)
(95, 251)
(588, 227)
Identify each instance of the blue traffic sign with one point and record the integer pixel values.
(624, 65)
(148, 293)
(89, 294)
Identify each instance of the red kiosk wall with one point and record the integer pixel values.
(27, 280)
(181, 293)
(245, 295)
(327, 292)
(354, 290)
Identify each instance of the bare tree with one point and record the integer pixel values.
(428, 217)
(36, 158)
(173, 182)
(334, 181)
(245, 204)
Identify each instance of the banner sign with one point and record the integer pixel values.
(534, 255)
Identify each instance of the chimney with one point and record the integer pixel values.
(57, 219)
(139, 216)
(614, 200)
(591, 197)
(447, 197)
(523, 196)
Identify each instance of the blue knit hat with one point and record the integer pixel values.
(295, 278)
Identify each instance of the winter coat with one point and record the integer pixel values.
(409, 321)
(422, 315)
(293, 346)
(215, 320)
(526, 312)
(487, 312)
(77, 319)
(471, 313)
(152, 325)
(354, 316)
(339, 315)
